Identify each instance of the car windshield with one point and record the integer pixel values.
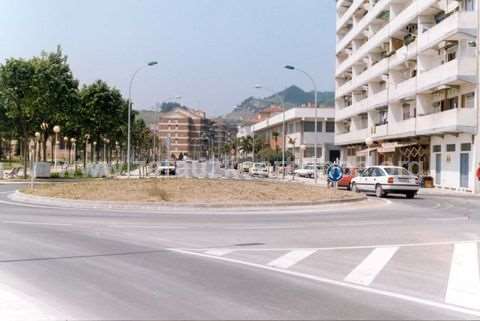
(166, 163)
(397, 171)
(260, 165)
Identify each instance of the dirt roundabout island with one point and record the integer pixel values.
(193, 191)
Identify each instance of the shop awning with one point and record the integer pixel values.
(365, 152)
(391, 147)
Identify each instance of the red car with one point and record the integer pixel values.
(346, 181)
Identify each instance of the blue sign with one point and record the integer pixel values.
(335, 173)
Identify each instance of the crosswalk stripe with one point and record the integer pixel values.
(367, 271)
(219, 252)
(291, 258)
(464, 281)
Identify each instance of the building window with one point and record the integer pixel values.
(466, 147)
(406, 112)
(310, 152)
(437, 148)
(330, 127)
(468, 5)
(449, 104)
(451, 148)
(468, 100)
(309, 126)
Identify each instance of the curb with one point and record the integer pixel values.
(80, 204)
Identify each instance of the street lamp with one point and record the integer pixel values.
(65, 141)
(73, 141)
(44, 127)
(94, 151)
(282, 102)
(289, 67)
(87, 137)
(129, 134)
(56, 130)
(34, 167)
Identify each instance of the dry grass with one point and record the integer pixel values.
(190, 191)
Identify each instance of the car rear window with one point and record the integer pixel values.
(394, 171)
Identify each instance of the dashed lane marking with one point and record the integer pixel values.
(368, 270)
(464, 281)
(342, 284)
(291, 258)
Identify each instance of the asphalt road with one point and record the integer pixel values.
(393, 259)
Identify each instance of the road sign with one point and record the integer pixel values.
(335, 173)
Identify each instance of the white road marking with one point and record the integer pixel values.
(367, 271)
(335, 248)
(464, 282)
(219, 252)
(394, 295)
(291, 258)
(35, 223)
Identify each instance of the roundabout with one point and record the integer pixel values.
(165, 194)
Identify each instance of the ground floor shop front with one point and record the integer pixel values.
(451, 161)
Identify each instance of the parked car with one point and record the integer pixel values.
(384, 180)
(346, 180)
(245, 167)
(167, 168)
(259, 169)
(307, 171)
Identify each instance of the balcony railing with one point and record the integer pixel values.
(459, 120)
(352, 137)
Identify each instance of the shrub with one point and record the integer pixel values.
(55, 175)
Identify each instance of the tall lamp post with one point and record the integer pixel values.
(65, 141)
(289, 67)
(282, 103)
(56, 130)
(87, 137)
(129, 134)
(73, 141)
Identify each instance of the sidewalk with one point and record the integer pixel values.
(443, 192)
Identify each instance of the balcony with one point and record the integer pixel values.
(461, 120)
(403, 90)
(353, 137)
(403, 128)
(355, 109)
(379, 131)
(458, 26)
(454, 72)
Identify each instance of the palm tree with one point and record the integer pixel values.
(275, 136)
(292, 141)
(246, 145)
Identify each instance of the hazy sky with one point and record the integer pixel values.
(212, 52)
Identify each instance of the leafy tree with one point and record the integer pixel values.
(56, 96)
(17, 98)
(102, 113)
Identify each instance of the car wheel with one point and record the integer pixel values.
(411, 195)
(354, 188)
(379, 191)
(349, 188)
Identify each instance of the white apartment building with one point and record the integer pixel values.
(406, 87)
(299, 134)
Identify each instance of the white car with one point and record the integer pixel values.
(384, 180)
(259, 169)
(245, 167)
(306, 171)
(167, 167)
